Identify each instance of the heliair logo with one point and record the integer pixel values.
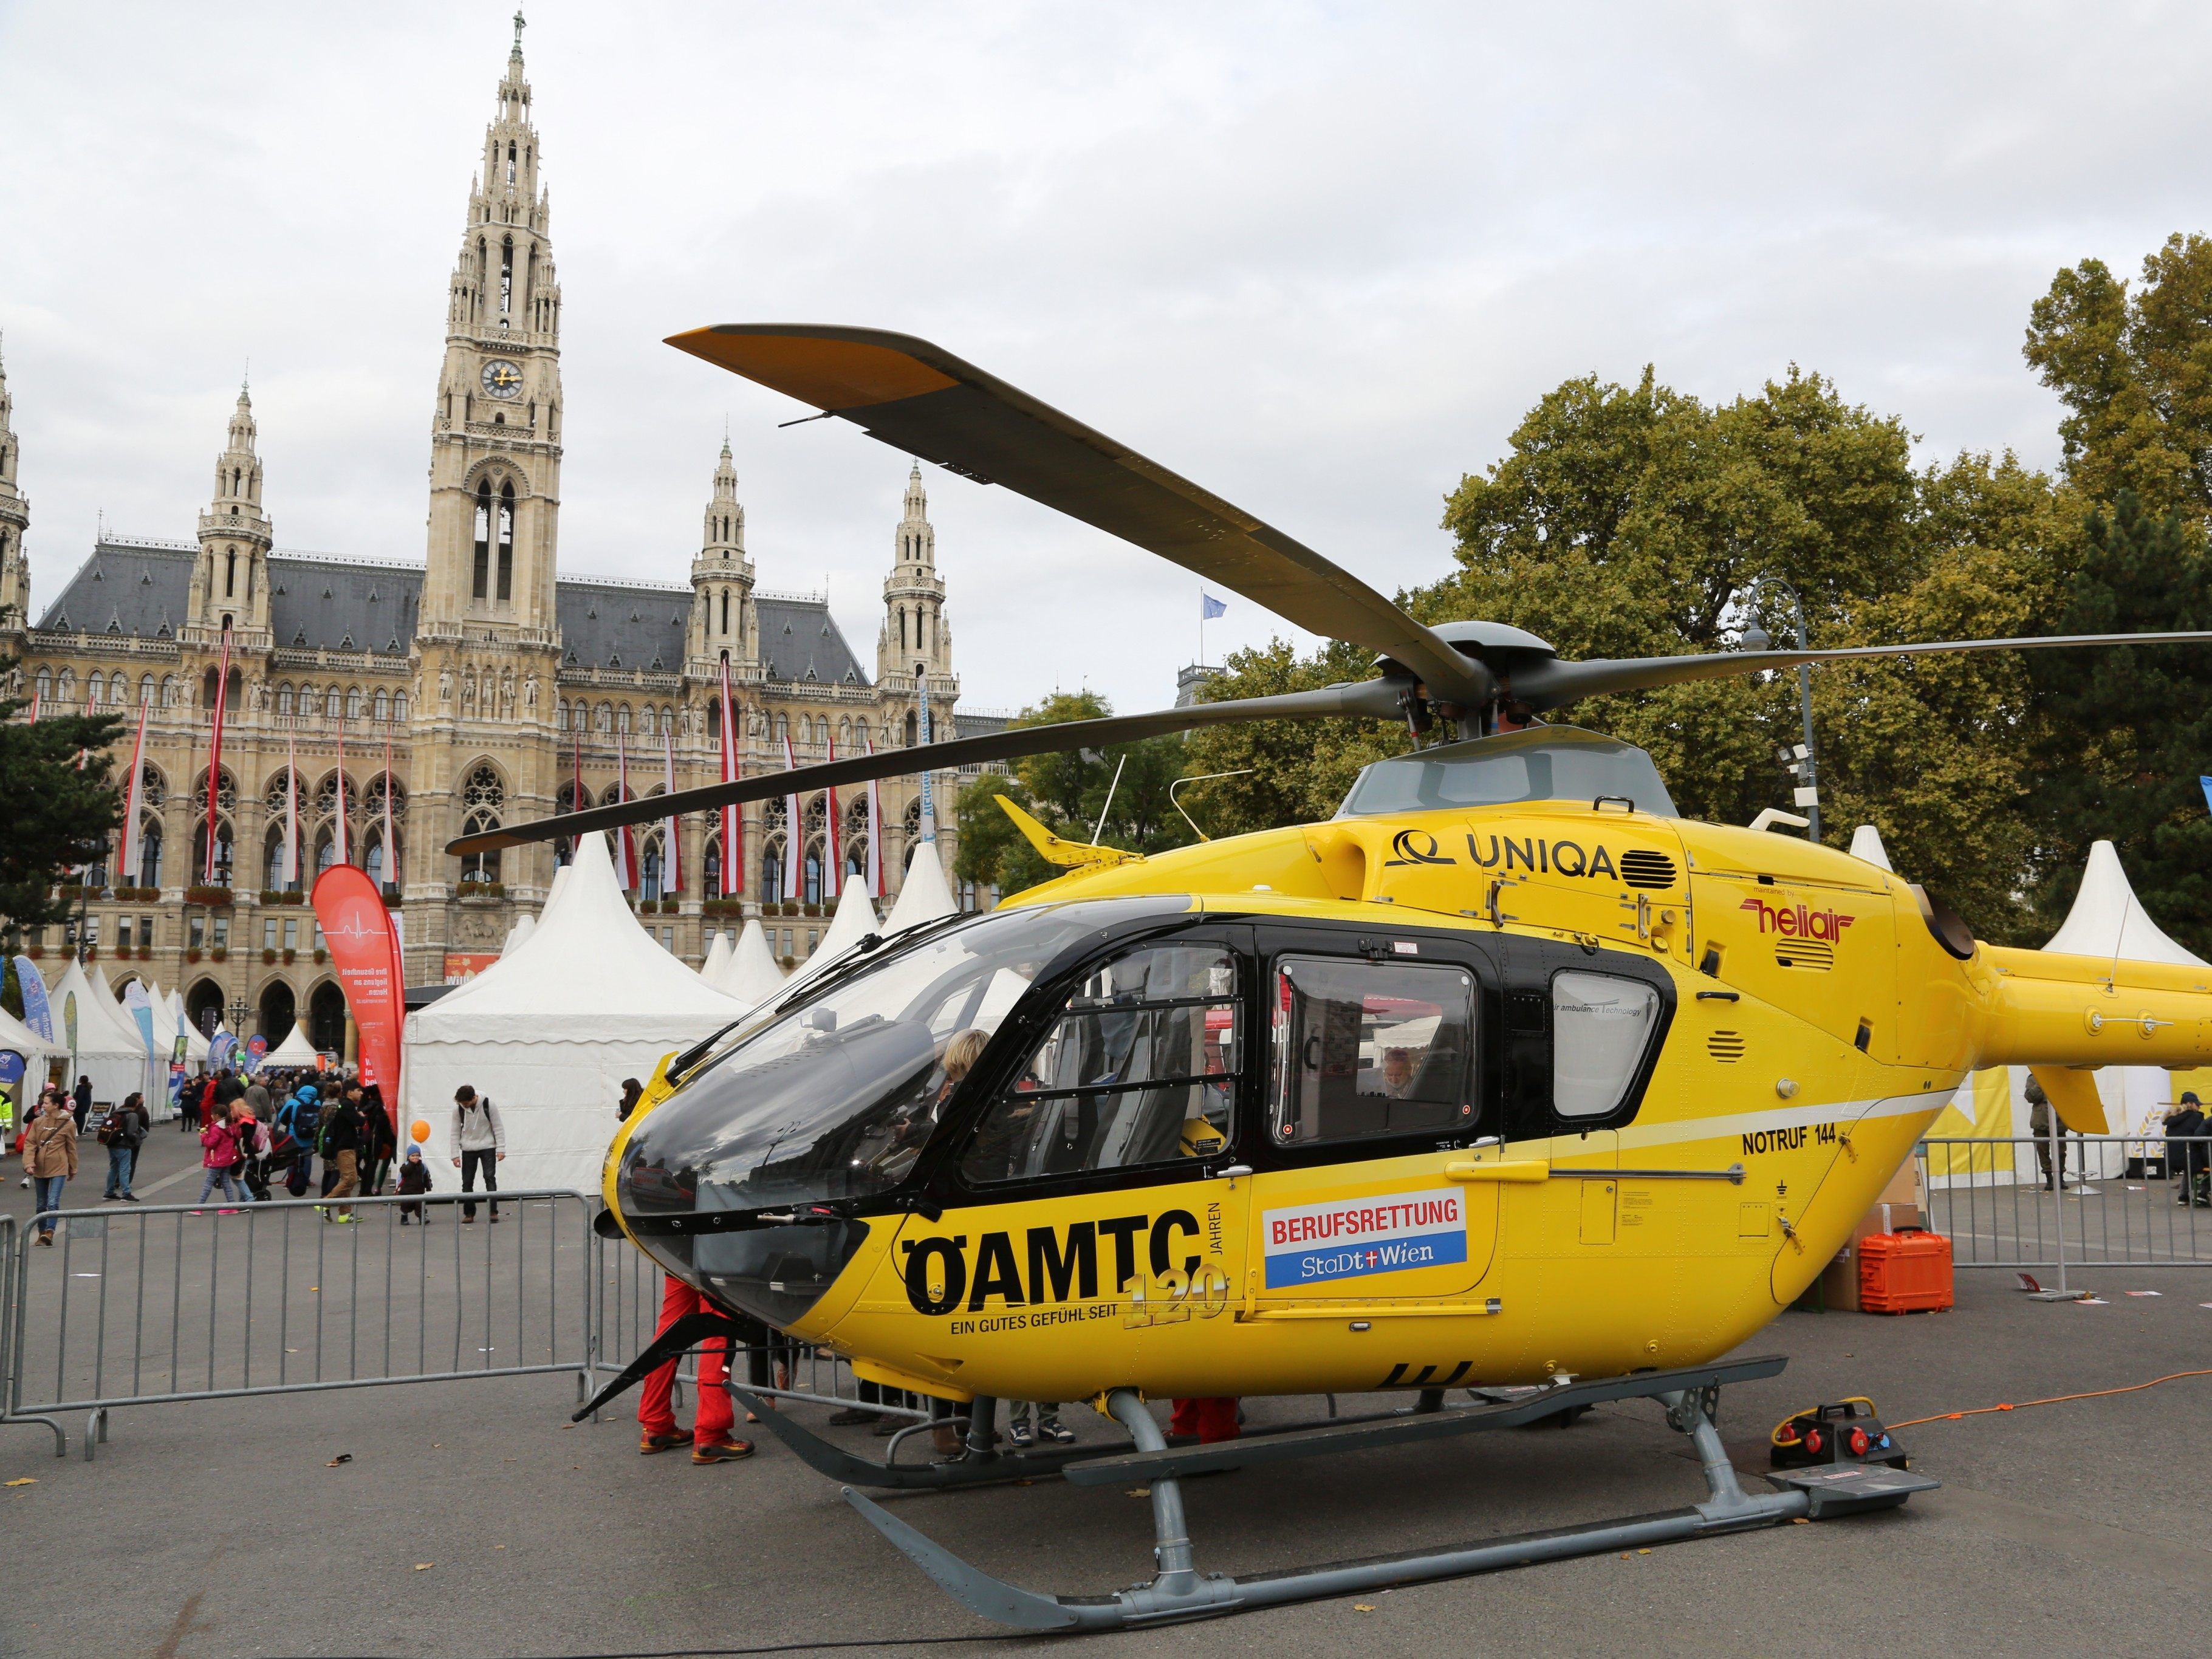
(1796, 921)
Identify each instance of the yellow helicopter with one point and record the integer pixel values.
(1506, 1081)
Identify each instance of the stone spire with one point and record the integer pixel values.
(15, 519)
(231, 576)
(722, 615)
(915, 640)
(496, 428)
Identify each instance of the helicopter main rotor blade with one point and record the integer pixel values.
(1367, 700)
(920, 398)
(1552, 683)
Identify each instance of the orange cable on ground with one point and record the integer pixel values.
(2054, 1400)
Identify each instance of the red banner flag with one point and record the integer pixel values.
(363, 947)
(215, 754)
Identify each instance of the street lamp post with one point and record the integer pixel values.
(1756, 638)
(238, 1009)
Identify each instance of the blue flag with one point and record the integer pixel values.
(37, 1014)
(2207, 782)
(1209, 608)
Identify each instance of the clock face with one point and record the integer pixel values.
(502, 379)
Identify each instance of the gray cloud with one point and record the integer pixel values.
(1319, 258)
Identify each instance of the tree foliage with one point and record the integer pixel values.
(2129, 732)
(1068, 792)
(53, 817)
(2134, 371)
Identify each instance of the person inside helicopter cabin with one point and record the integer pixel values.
(1397, 1073)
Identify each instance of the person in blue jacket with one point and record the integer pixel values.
(295, 1123)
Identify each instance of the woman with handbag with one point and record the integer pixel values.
(50, 1155)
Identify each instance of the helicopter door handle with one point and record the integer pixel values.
(1519, 1172)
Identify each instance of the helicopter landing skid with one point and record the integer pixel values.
(1179, 1591)
(983, 1464)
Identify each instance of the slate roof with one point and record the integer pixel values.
(141, 588)
(801, 640)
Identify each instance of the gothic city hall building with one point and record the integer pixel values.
(499, 688)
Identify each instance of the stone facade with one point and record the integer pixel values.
(500, 687)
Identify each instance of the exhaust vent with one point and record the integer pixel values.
(1641, 867)
(1726, 1046)
(1814, 953)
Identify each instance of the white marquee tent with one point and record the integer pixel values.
(548, 1033)
(114, 1057)
(853, 922)
(19, 1038)
(717, 961)
(295, 1053)
(1866, 843)
(522, 930)
(923, 896)
(752, 975)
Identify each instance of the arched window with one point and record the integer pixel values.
(649, 868)
(913, 729)
(510, 164)
(725, 610)
(506, 540)
(44, 684)
(353, 702)
(714, 719)
(334, 703)
(772, 870)
(384, 706)
(507, 276)
(813, 873)
(150, 853)
(561, 716)
(374, 864)
(480, 587)
(222, 852)
(95, 689)
(307, 700)
(284, 699)
(481, 799)
(230, 574)
(621, 719)
(145, 690)
(168, 690)
(782, 727)
(272, 875)
(400, 705)
(714, 862)
(326, 852)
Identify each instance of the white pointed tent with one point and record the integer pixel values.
(295, 1053)
(114, 1059)
(548, 1033)
(923, 895)
(16, 1037)
(2109, 923)
(521, 930)
(752, 975)
(718, 960)
(1866, 843)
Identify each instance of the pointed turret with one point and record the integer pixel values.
(916, 643)
(722, 615)
(15, 519)
(496, 430)
(231, 578)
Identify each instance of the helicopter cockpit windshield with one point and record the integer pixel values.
(1543, 762)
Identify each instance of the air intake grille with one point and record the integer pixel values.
(1726, 1046)
(1641, 867)
(1805, 953)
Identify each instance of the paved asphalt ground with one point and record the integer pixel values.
(210, 1530)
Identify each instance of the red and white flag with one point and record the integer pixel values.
(625, 846)
(791, 829)
(289, 870)
(215, 754)
(391, 845)
(128, 875)
(875, 834)
(672, 855)
(733, 817)
(345, 852)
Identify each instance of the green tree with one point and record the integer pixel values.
(2128, 732)
(2134, 371)
(53, 817)
(1068, 791)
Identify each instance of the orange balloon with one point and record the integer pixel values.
(419, 1130)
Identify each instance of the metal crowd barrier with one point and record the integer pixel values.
(157, 1304)
(153, 1304)
(2119, 1201)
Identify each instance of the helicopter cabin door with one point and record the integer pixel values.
(1372, 1087)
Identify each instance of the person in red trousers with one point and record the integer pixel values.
(710, 1439)
(1209, 1419)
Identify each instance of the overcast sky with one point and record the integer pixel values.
(1319, 258)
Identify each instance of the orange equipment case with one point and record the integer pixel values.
(1905, 1272)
